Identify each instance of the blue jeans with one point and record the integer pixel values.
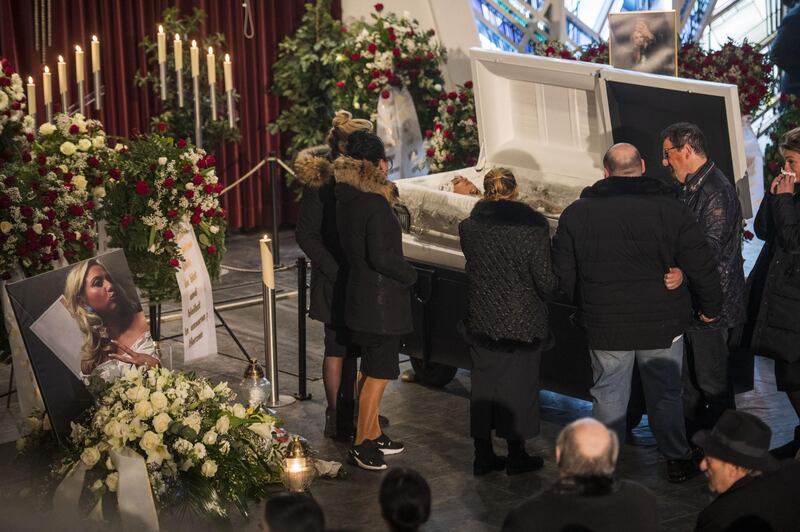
(660, 370)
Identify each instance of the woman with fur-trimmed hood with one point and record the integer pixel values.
(377, 295)
(317, 236)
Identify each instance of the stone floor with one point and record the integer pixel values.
(432, 422)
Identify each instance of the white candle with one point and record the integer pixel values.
(78, 64)
(62, 76)
(212, 67)
(178, 48)
(267, 265)
(31, 96)
(226, 66)
(47, 84)
(95, 54)
(195, 54)
(162, 45)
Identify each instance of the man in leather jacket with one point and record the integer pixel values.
(708, 390)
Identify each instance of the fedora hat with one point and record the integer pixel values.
(740, 439)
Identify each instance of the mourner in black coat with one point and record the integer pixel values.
(377, 295)
(707, 385)
(774, 299)
(506, 245)
(318, 237)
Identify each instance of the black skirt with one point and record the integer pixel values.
(505, 392)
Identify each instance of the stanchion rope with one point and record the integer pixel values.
(255, 169)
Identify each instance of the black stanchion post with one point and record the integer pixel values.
(274, 185)
(302, 275)
(155, 321)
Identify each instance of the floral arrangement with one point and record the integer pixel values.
(35, 434)
(164, 183)
(200, 449)
(15, 125)
(737, 64)
(553, 48)
(596, 52)
(53, 196)
(789, 119)
(453, 140)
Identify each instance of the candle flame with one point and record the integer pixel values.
(60, 59)
(194, 43)
(160, 28)
(78, 49)
(177, 37)
(210, 50)
(227, 58)
(46, 69)
(94, 38)
(30, 80)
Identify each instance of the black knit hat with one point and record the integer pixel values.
(740, 439)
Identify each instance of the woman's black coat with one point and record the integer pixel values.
(317, 236)
(378, 295)
(774, 299)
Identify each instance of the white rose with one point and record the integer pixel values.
(206, 393)
(47, 129)
(193, 422)
(214, 229)
(143, 409)
(159, 401)
(199, 451)
(33, 423)
(90, 456)
(209, 468)
(210, 438)
(3, 101)
(262, 429)
(161, 422)
(162, 161)
(6, 227)
(239, 411)
(438, 87)
(225, 447)
(189, 186)
(84, 144)
(113, 429)
(99, 192)
(80, 182)
(112, 481)
(222, 425)
(119, 147)
(97, 485)
(99, 141)
(138, 393)
(150, 441)
(68, 148)
(37, 228)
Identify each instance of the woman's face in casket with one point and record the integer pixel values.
(791, 162)
(98, 290)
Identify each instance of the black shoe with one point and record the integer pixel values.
(483, 465)
(330, 423)
(387, 445)
(367, 456)
(788, 450)
(523, 463)
(682, 470)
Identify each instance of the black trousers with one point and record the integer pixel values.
(505, 393)
(707, 383)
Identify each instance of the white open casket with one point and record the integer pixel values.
(551, 121)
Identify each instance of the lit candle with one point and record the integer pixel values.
(62, 76)
(162, 45)
(78, 64)
(212, 67)
(178, 47)
(226, 65)
(31, 96)
(95, 54)
(195, 53)
(47, 84)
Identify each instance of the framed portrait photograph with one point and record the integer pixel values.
(644, 41)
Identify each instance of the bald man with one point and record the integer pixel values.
(586, 496)
(612, 252)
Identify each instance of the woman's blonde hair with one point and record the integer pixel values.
(791, 141)
(89, 322)
(499, 183)
(342, 126)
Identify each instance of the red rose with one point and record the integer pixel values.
(210, 160)
(378, 8)
(73, 129)
(8, 71)
(26, 156)
(452, 95)
(64, 225)
(201, 163)
(392, 37)
(748, 235)
(438, 127)
(549, 50)
(76, 210)
(376, 73)
(168, 235)
(448, 134)
(197, 179)
(93, 162)
(449, 156)
(195, 219)
(462, 98)
(5, 201)
(372, 47)
(97, 181)
(208, 188)
(142, 188)
(343, 29)
(355, 56)
(565, 54)
(89, 205)
(114, 173)
(127, 220)
(88, 244)
(212, 249)
(169, 182)
(430, 152)
(16, 105)
(173, 263)
(450, 109)
(10, 181)
(162, 127)
(429, 55)
(385, 94)
(172, 213)
(181, 143)
(428, 133)
(210, 213)
(29, 137)
(26, 212)
(5, 82)
(340, 84)
(189, 194)
(372, 86)
(187, 169)
(396, 52)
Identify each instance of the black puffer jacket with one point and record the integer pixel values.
(775, 280)
(611, 251)
(507, 247)
(379, 280)
(715, 204)
(317, 236)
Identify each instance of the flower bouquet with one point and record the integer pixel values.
(553, 48)
(200, 450)
(15, 125)
(164, 185)
(453, 140)
(52, 197)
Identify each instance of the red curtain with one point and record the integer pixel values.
(120, 25)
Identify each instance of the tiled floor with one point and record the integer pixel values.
(432, 422)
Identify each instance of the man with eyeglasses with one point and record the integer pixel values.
(707, 386)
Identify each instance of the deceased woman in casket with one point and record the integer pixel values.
(115, 329)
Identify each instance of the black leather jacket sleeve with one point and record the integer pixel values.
(308, 234)
(784, 216)
(693, 256)
(564, 263)
(717, 218)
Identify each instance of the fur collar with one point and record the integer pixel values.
(364, 176)
(627, 186)
(313, 166)
(507, 212)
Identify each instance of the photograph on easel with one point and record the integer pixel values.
(644, 41)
